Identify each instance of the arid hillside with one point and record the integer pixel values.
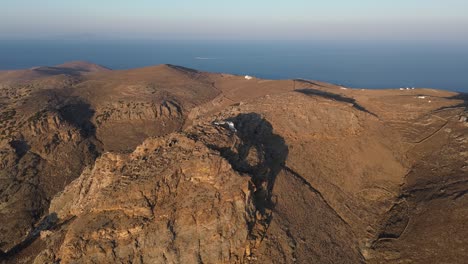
(167, 164)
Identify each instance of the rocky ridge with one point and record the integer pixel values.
(130, 166)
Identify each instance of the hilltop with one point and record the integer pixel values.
(141, 166)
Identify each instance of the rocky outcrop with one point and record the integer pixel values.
(38, 161)
(139, 110)
(172, 200)
(170, 165)
(130, 122)
(55, 121)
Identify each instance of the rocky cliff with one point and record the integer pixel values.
(170, 165)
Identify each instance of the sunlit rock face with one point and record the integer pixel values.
(171, 165)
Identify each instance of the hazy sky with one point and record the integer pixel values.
(241, 19)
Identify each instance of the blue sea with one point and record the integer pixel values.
(358, 64)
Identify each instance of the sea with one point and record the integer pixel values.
(356, 64)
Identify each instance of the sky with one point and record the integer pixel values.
(419, 20)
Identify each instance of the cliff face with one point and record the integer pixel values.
(122, 125)
(55, 124)
(144, 166)
(171, 200)
(38, 160)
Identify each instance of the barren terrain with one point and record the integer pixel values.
(141, 166)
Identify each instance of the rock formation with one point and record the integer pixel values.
(101, 166)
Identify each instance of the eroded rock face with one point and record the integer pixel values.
(21, 204)
(310, 172)
(123, 125)
(31, 171)
(55, 122)
(172, 200)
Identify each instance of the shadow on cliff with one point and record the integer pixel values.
(79, 114)
(46, 223)
(257, 152)
(70, 108)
